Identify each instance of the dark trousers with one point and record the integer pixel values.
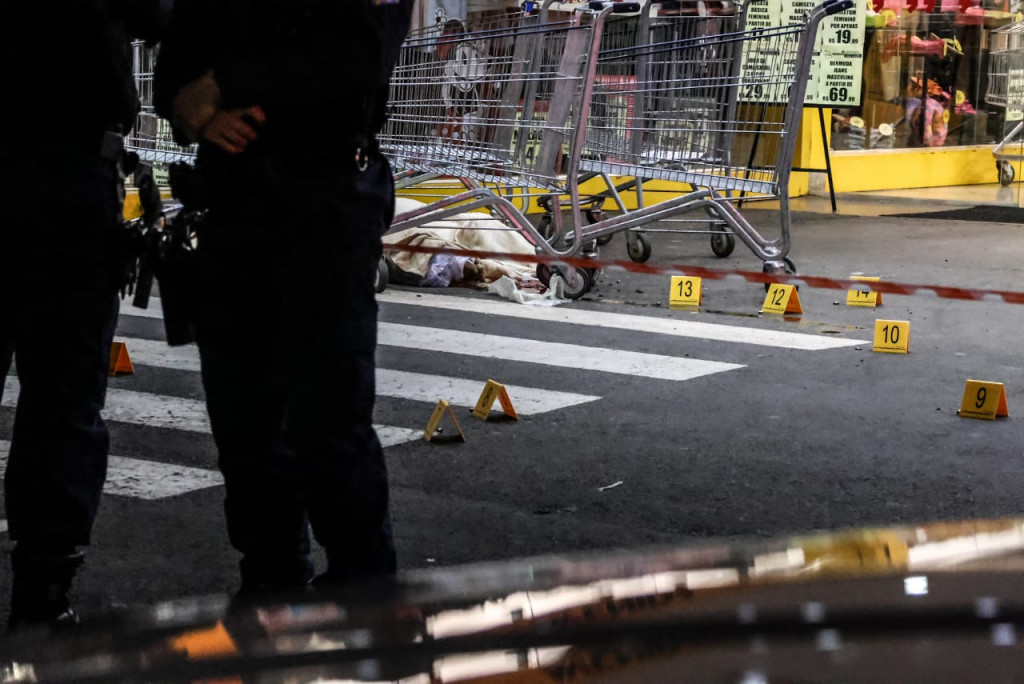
(59, 219)
(287, 333)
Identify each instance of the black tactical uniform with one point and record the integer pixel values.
(60, 213)
(287, 322)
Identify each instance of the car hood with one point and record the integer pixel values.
(937, 602)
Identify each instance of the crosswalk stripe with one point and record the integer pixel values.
(460, 392)
(389, 435)
(390, 383)
(147, 480)
(154, 310)
(177, 413)
(606, 319)
(556, 354)
(601, 319)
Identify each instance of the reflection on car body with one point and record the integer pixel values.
(927, 603)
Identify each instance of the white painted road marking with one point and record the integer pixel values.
(154, 310)
(389, 435)
(3, 526)
(556, 354)
(177, 413)
(149, 480)
(602, 319)
(463, 392)
(390, 383)
(154, 480)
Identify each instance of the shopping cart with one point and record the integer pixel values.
(151, 138)
(1006, 89)
(499, 107)
(619, 100)
(715, 109)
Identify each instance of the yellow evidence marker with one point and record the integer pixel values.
(494, 390)
(781, 299)
(684, 291)
(984, 400)
(120, 362)
(864, 297)
(892, 337)
(435, 421)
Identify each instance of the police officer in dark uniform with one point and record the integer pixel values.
(60, 268)
(285, 98)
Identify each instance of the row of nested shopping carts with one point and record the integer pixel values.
(569, 107)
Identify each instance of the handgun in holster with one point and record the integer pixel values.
(166, 252)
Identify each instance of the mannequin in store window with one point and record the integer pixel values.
(927, 115)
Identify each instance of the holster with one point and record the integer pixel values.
(178, 270)
(188, 187)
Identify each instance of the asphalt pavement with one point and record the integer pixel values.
(640, 424)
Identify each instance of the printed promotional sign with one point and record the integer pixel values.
(836, 67)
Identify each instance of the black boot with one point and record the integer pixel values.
(42, 582)
(264, 578)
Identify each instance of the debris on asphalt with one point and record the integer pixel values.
(611, 486)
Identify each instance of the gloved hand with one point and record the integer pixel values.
(233, 130)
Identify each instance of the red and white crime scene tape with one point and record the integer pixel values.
(940, 291)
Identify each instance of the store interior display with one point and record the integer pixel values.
(926, 71)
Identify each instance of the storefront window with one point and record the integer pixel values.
(927, 71)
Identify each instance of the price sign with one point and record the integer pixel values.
(984, 400)
(684, 291)
(1014, 92)
(836, 67)
(838, 80)
(892, 337)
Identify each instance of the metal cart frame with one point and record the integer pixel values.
(737, 95)
(1006, 89)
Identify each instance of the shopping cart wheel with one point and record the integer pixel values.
(581, 287)
(544, 227)
(380, 283)
(773, 267)
(1005, 172)
(638, 247)
(544, 274)
(722, 243)
(593, 216)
